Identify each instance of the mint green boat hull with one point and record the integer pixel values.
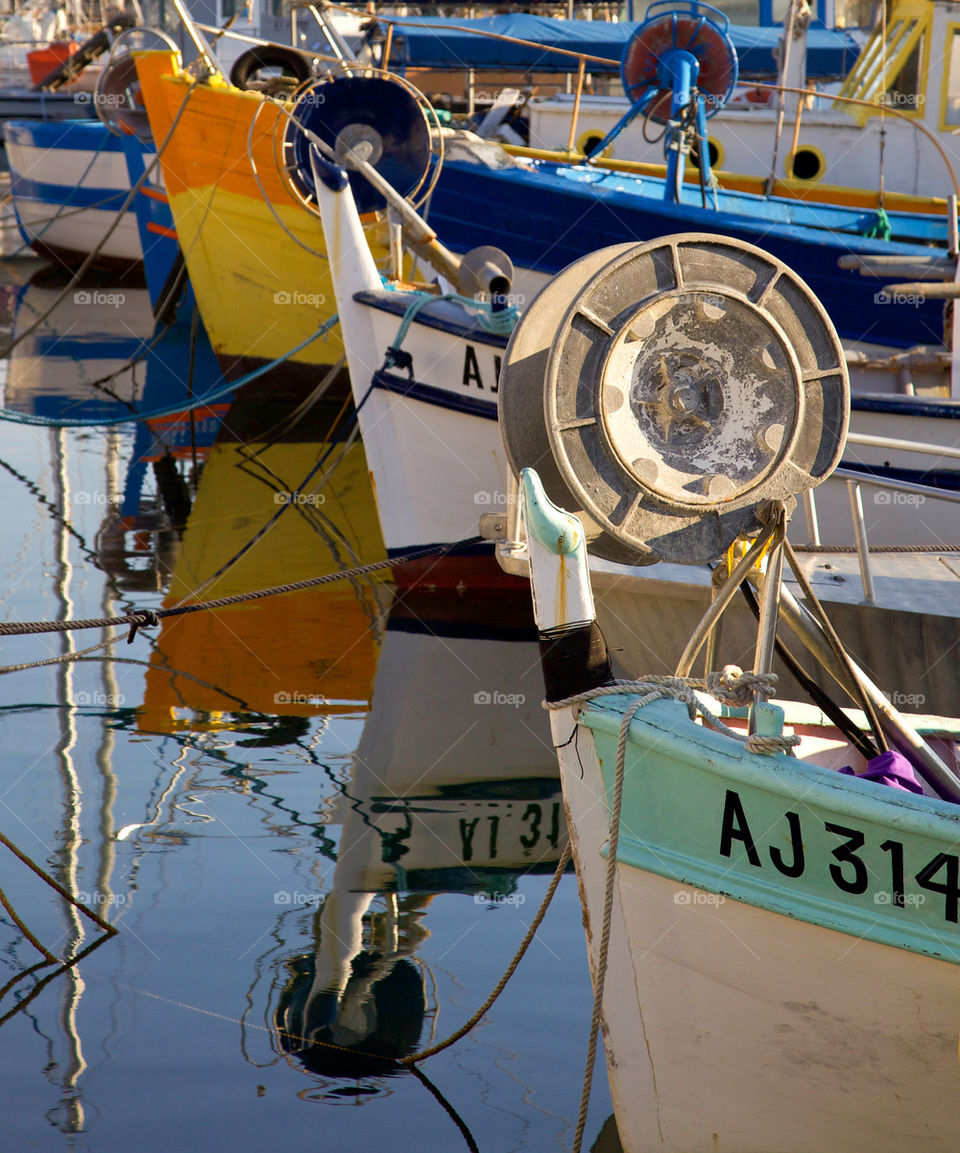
(782, 834)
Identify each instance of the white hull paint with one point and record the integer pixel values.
(436, 469)
(80, 231)
(744, 138)
(58, 220)
(728, 1027)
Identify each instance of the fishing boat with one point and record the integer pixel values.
(425, 373)
(892, 122)
(544, 214)
(68, 181)
(72, 181)
(256, 260)
(782, 937)
(769, 888)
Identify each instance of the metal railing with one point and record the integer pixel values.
(856, 480)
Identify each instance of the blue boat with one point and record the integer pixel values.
(546, 215)
(69, 180)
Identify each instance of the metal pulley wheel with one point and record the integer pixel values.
(699, 29)
(667, 390)
(378, 110)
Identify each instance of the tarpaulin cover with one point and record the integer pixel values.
(436, 42)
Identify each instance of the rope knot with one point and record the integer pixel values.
(143, 618)
(732, 686)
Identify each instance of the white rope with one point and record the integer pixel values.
(730, 686)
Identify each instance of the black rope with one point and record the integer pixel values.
(143, 618)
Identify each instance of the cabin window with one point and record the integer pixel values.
(904, 93)
(951, 95)
(856, 14)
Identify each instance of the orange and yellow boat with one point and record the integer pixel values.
(255, 256)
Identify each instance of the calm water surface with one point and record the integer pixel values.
(321, 823)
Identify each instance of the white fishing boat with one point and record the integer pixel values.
(770, 890)
(778, 972)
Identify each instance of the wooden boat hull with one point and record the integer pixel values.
(256, 257)
(69, 179)
(752, 1002)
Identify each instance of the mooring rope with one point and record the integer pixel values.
(511, 968)
(142, 618)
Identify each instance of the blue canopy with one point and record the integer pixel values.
(450, 43)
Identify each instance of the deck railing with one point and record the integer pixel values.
(856, 480)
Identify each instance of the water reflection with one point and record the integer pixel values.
(453, 789)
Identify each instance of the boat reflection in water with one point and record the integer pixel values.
(251, 527)
(452, 789)
(99, 355)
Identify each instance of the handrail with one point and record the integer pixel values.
(868, 441)
(926, 490)
(854, 481)
(888, 111)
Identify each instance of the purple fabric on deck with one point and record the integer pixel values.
(890, 768)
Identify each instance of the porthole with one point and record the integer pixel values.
(714, 151)
(587, 143)
(806, 163)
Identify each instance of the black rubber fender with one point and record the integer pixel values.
(292, 62)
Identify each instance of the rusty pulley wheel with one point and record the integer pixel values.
(667, 390)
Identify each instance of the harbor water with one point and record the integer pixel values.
(320, 823)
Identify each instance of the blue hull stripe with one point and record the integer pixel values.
(429, 394)
(907, 406)
(398, 304)
(56, 195)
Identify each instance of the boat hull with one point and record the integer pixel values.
(256, 257)
(760, 1011)
(550, 216)
(69, 180)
